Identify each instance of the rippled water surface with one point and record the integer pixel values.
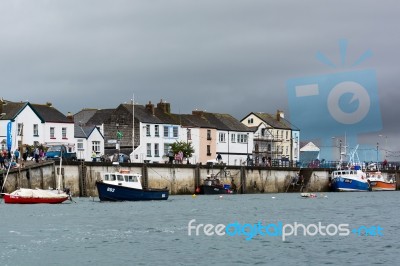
(90, 232)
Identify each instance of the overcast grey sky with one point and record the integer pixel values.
(224, 56)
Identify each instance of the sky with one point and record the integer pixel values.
(223, 56)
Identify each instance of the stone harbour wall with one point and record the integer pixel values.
(80, 177)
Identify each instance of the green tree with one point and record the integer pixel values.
(185, 147)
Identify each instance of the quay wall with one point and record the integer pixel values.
(80, 177)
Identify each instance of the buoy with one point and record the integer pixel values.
(194, 195)
(273, 197)
(220, 197)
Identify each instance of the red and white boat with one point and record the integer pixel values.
(33, 196)
(379, 183)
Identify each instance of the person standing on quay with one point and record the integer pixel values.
(16, 155)
(36, 154)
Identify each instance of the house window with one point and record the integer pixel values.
(20, 129)
(80, 145)
(208, 134)
(35, 130)
(157, 130)
(222, 137)
(242, 138)
(148, 130)
(175, 132)
(52, 133)
(148, 149)
(64, 132)
(287, 134)
(156, 150)
(250, 121)
(166, 148)
(263, 132)
(96, 146)
(208, 150)
(166, 135)
(189, 134)
(233, 137)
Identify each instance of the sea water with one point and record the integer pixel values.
(90, 232)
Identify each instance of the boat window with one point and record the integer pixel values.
(132, 178)
(120, 178)
(112, 178)
(106, 177)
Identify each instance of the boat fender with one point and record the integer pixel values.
(197, 190)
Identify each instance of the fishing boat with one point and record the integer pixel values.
(125, 186)
(352, 178)
(35, 196)
(379, 183)
(212, 185)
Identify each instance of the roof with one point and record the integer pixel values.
(99, 117)
(84, 131)
(308, 147)
(222, 121)
(12, 109)
(195, 121)
(83, 116)
(272, 120)
(50, 114)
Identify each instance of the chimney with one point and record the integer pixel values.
(70, 117)
(49, 104)
(197, 112)
(279, 115)
(1, 106)
(164, 106)
(150, 107)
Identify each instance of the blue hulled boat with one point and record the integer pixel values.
(350, 180)
(124, 186)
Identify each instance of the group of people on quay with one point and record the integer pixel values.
(12, 159)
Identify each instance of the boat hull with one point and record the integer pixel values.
(109, 192)
(383, 186)
(211, 190)
(13, 199)
(348, 184)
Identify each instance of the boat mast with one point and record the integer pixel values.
(59, 171)
(133, 127)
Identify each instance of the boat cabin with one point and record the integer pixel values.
(123, 178)
(351, 173)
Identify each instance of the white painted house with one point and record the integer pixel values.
(275, 138)
(34, 124)
(89, 139)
